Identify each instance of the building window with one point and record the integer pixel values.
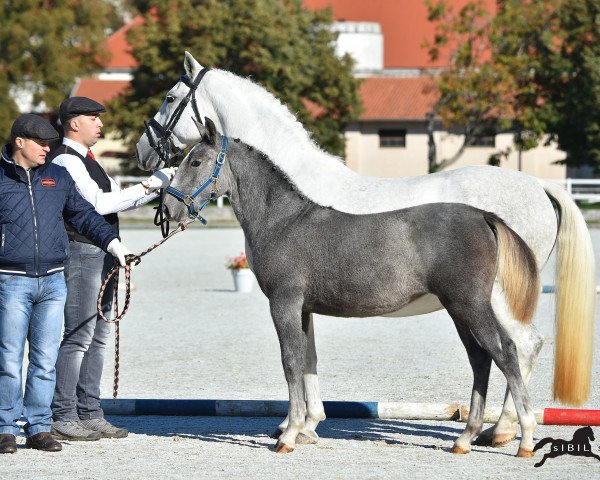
(392, 138)
(484, 141)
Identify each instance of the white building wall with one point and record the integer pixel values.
(365, 156)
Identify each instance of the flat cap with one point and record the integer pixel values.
(74, 106)
(33, 126)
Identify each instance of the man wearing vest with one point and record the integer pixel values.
(35, 197)
(76, 405)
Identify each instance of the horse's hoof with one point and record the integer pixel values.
(283, 448)
(502, 439)
(525, 453)
(276, 434)
(304, 439)
(457, 450)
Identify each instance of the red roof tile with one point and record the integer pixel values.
(119, 49)
(394, 98)
(100, 90)
(384, 98)
(403, 23)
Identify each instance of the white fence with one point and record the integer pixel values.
(583, 189)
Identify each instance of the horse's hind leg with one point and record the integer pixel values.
(492, 337)
(314, 405)
(480, 362)
(529, 343)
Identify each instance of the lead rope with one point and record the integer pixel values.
(114, 273)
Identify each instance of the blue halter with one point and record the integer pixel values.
(189, 200)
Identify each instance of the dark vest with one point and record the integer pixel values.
(99, 176)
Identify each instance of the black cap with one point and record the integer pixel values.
(33, 126)
(74, 106)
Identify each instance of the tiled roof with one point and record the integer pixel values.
(119, 49)
(384, 98)
(397, 98)
(100, 90)
(403, 23)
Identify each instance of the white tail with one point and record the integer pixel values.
(575, 302)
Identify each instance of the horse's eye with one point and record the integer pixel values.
(195, 163)
(170, 98)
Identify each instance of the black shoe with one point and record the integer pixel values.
(43, 441)
(8, 443)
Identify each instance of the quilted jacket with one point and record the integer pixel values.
(33, 207)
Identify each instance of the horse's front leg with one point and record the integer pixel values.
(315, 412)
(314, 404)
(286, 310)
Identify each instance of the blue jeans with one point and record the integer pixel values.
(29, 308)
(81, 356)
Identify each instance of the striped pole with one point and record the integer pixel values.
(335, 409)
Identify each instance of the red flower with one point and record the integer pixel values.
(237, 263)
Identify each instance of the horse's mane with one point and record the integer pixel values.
(258, 155)
(290, 129)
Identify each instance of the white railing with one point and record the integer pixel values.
(584, 189)
(126, 180)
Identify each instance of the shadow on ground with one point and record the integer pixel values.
(254, 432)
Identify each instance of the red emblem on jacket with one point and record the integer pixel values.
(48, 182)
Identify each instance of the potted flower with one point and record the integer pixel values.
(243, 278)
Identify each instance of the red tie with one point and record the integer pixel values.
(91, 155)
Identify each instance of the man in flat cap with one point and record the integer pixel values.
(76, 406)
(35, 197)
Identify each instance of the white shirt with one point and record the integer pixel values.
(117, 200)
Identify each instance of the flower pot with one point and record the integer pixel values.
(243, 279)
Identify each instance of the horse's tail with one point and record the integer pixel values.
(542, 443)
(575, 301)
(517, 270)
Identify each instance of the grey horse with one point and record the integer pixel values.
(246, 110)
(312, 259)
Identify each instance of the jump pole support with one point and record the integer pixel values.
(334, 409)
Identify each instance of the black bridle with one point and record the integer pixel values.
(161, 140)
(163, 143)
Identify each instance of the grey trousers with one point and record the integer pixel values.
(81, 354)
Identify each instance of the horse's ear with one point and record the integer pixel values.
(201, 128)
(212, 130)
(191, 66)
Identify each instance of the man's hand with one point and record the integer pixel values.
(118, 250)
(160, 179)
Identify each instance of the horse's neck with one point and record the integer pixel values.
(249, 112)
(261, 197)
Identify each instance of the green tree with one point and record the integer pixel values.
(282, 45)
(478, 92)
(44, 47)
(538, 76)
(568, 78)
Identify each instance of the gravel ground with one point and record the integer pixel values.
(189, 335)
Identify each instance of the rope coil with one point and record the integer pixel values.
(113, 275)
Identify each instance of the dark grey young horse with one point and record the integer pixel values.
(312, 259)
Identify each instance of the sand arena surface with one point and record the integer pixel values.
(189, 335)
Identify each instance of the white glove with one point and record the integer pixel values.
(160, 179)
(117, 249)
